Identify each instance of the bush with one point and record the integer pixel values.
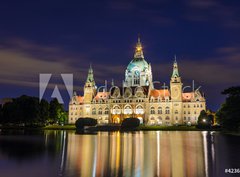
(130, 123)
(204, 120)
(81, 122)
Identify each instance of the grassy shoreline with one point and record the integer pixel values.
(110, 128)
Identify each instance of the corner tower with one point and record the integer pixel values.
(138, 72)
(89, 87)
(176, 83)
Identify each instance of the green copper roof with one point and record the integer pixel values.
(175, 69)
(90, 77)
(140, 63)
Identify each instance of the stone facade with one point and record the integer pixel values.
(138, 98)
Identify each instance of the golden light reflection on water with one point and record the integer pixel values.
(156, 153)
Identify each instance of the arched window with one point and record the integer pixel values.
(159, 110)
(116, 110)
(167, 118)
(106, 111)
(100, 111)
(167, 111)
(176, 112)
(94, 111)
(139, 110)
(159, 118)
(128, 110)
(152, 111)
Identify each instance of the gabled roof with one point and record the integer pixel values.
(162, 93)
(80, 99)
(102, 95)
(133, 89)
(188, 96)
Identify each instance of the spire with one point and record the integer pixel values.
(90, 77)
(175, 58)
(138, 51)
(112, 83)
(175, 68)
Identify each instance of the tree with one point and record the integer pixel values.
(63, 117)
(81, 122)
(24, 109)
(55, 110)
(204, 120)
(44, 111)
(130, 123)
(229, 114)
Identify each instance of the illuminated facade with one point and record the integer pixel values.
(138, 98)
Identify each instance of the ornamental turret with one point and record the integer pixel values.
(176, 83)
(89, 87)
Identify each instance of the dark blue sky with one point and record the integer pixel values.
(64, 37)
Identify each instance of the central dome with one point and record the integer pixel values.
(138, 72)
(137, 63)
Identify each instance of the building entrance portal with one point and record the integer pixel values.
(116, 119)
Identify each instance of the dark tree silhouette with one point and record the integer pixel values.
(229, 114)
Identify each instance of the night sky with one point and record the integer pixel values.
(65, 37)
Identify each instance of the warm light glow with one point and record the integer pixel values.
(139, 48)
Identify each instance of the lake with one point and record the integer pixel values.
(142, 153)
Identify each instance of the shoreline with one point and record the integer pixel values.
(112, 128)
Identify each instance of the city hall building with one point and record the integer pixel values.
(137, 98)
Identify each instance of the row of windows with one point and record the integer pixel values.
(75, 113)
(100, 111)
(75, 108)
(189, 118)
(127, 101)
(159, 100)
(189, 112)
(160, 118)
(193, 106)
(159, 111)
(100, 101)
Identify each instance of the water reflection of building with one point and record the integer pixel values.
(175, 154)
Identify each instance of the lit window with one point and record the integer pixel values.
(100, 111)
(94, 111)
(152, 111)
(167, 111)
(106, 111)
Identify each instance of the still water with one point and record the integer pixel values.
(149, 153)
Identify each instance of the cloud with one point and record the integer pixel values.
(220, 69)
(22, 61)
(217, 12)
(143, 10)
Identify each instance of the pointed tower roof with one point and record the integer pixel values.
(138, 60)
(138, 51)
(90, 77)
(175, 68)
